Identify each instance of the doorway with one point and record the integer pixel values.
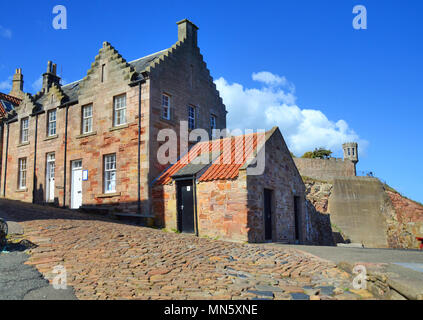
(268, 214)
(297, 214)
(50, 171)
(76, 189)
(186, 221)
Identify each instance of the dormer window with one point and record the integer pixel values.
(24, 130)
(51, 125)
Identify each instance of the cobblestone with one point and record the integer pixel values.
(111, 260)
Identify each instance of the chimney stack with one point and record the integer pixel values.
(187, 31)
(50, 76)
(17, 84)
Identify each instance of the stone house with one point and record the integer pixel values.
(219, 198)
(94, 142)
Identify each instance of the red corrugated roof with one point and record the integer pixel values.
(232, 153)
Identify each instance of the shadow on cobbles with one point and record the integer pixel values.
(19, 246)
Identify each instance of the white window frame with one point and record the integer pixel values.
(87, 119)
(119, 110)
(22, 166)
(165, 106)
(191, 117)
(24, 130)
(110, 171)
(51, 127)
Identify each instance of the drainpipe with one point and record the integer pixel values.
(194, 186)
(133, 84)
(65, 156)
(5, 161)
(139, 148)
(34, 176)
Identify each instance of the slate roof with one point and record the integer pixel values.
(72, 90)
(142, 63)
(233, 153)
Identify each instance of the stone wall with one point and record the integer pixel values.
(325, 169)
(223, 209)
(408, 222)
(282, 177)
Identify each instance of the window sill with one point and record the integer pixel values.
(51, 137)
(22, 190)
(170, 121)
(23, 144)
(84, 135)
(122, 126)
(108, 195)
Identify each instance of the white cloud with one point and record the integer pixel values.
(275, 105)
(6, 85)
(5, 33)
(37, 84)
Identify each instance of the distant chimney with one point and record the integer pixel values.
(187, 31)
(17, 84)
(50, 76)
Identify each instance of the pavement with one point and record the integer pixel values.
(403, 269)
(106, 259)
(19, 281)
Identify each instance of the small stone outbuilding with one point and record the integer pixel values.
(226, 199)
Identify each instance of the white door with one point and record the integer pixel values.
(51, 164)
(76, 192)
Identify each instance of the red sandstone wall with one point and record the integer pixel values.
(222, 209)
(409, 225)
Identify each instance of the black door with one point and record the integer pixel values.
(297, 217)
(186, 206)
(268, 214)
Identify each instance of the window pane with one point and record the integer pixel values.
(166, 107)
(24, 130)
(110, 173)
(191, 117)
(52, 123)
(120, 110)
(87, 119)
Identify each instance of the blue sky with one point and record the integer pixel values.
(301, 59)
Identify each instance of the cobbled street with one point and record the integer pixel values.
(107, 259)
